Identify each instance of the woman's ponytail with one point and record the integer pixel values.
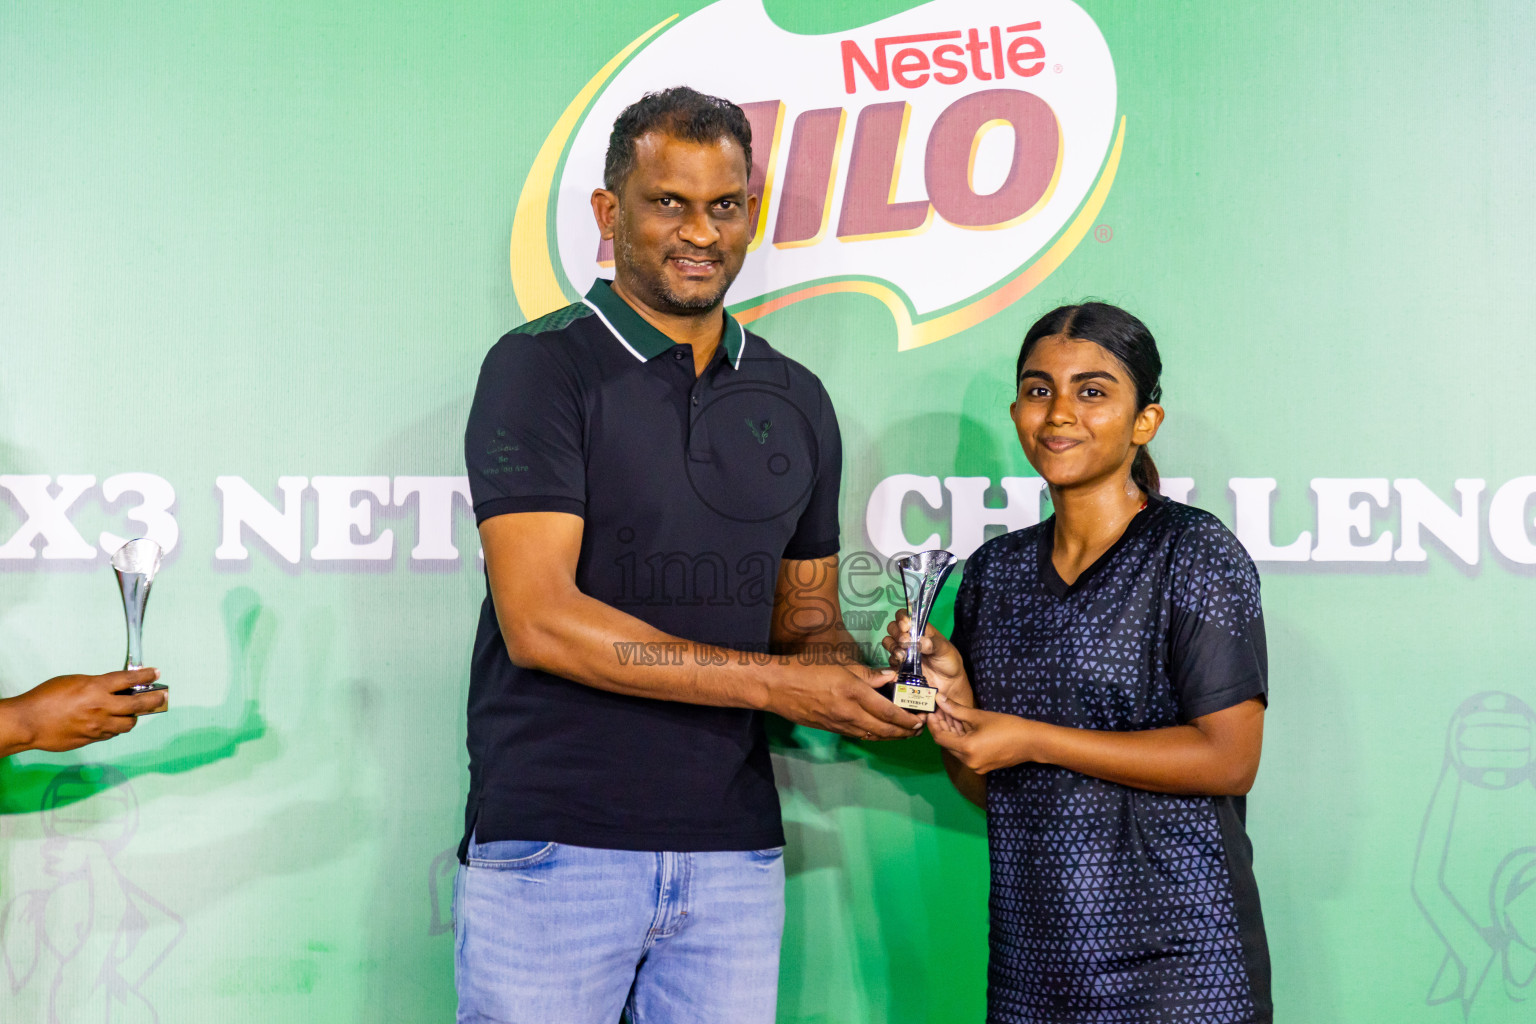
(1144, 471)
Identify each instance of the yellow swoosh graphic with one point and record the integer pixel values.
(534, 282)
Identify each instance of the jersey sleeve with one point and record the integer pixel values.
(967, 600)
(523, 446)
(818, 533)
(1217, 656)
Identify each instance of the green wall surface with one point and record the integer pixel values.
(251, 256)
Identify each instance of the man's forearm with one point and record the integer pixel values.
(832, 646)
(593, 643)
(15, 734)
(548, 623)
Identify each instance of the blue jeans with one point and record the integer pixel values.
(554, 934)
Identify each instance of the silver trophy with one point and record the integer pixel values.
(136, 563)
(923, 576)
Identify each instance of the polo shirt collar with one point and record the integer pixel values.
(638, 336)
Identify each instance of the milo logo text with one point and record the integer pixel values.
(943, 169)
(801, 211)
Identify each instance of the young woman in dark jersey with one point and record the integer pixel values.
(1102, 696)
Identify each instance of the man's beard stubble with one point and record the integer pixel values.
(653, 281)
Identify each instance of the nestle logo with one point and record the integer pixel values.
(948, 63)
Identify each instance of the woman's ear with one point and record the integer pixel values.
(1147, 422)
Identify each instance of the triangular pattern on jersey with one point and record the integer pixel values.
(1115, 905)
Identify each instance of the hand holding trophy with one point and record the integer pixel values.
(136, 564)
(922, 576)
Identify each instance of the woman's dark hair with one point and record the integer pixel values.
(681, 112)
(1122, 336)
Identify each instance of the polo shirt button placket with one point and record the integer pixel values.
(698, 429)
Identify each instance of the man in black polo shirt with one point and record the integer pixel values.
(657, 494)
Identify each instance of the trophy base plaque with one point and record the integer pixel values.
(911, 695)
(147, 688)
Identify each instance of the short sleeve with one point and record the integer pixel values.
(1217, 656)
(523, 446)
(818, 533)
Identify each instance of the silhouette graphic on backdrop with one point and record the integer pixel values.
(83, 947)
(1480, 896)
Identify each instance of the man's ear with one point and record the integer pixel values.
(605, 209)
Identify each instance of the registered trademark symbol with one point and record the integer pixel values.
(1057, 69)
(1104, 232)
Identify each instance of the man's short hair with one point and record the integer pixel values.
(680, 112)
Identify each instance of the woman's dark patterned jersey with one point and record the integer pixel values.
(1111, 903)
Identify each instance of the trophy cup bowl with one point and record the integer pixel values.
(136, 564)
(922, 576)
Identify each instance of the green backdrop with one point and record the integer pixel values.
(242, 242)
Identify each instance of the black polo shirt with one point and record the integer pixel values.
(692, 489)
